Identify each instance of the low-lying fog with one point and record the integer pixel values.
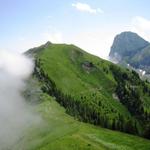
(15, 114)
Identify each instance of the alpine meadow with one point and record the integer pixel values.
(74, 75)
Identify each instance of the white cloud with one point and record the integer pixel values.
(9, 61)
(141, 26)
(15, 114)
(87, 8)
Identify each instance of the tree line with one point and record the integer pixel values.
(87, 111)
(131, 91)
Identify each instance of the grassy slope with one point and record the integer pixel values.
(59, 131)
(63, 63)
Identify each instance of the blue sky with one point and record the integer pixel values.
(90, 24)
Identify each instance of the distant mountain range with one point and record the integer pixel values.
(132, 50)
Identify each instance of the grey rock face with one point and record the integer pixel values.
(131, 49)
(127, 44)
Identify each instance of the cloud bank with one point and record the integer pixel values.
(15, 114)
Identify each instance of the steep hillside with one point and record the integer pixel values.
(94, 90)
(130, 48)
(59, 131)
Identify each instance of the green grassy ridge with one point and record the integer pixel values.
(56, 61)
(59, 131)
(65, 65)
